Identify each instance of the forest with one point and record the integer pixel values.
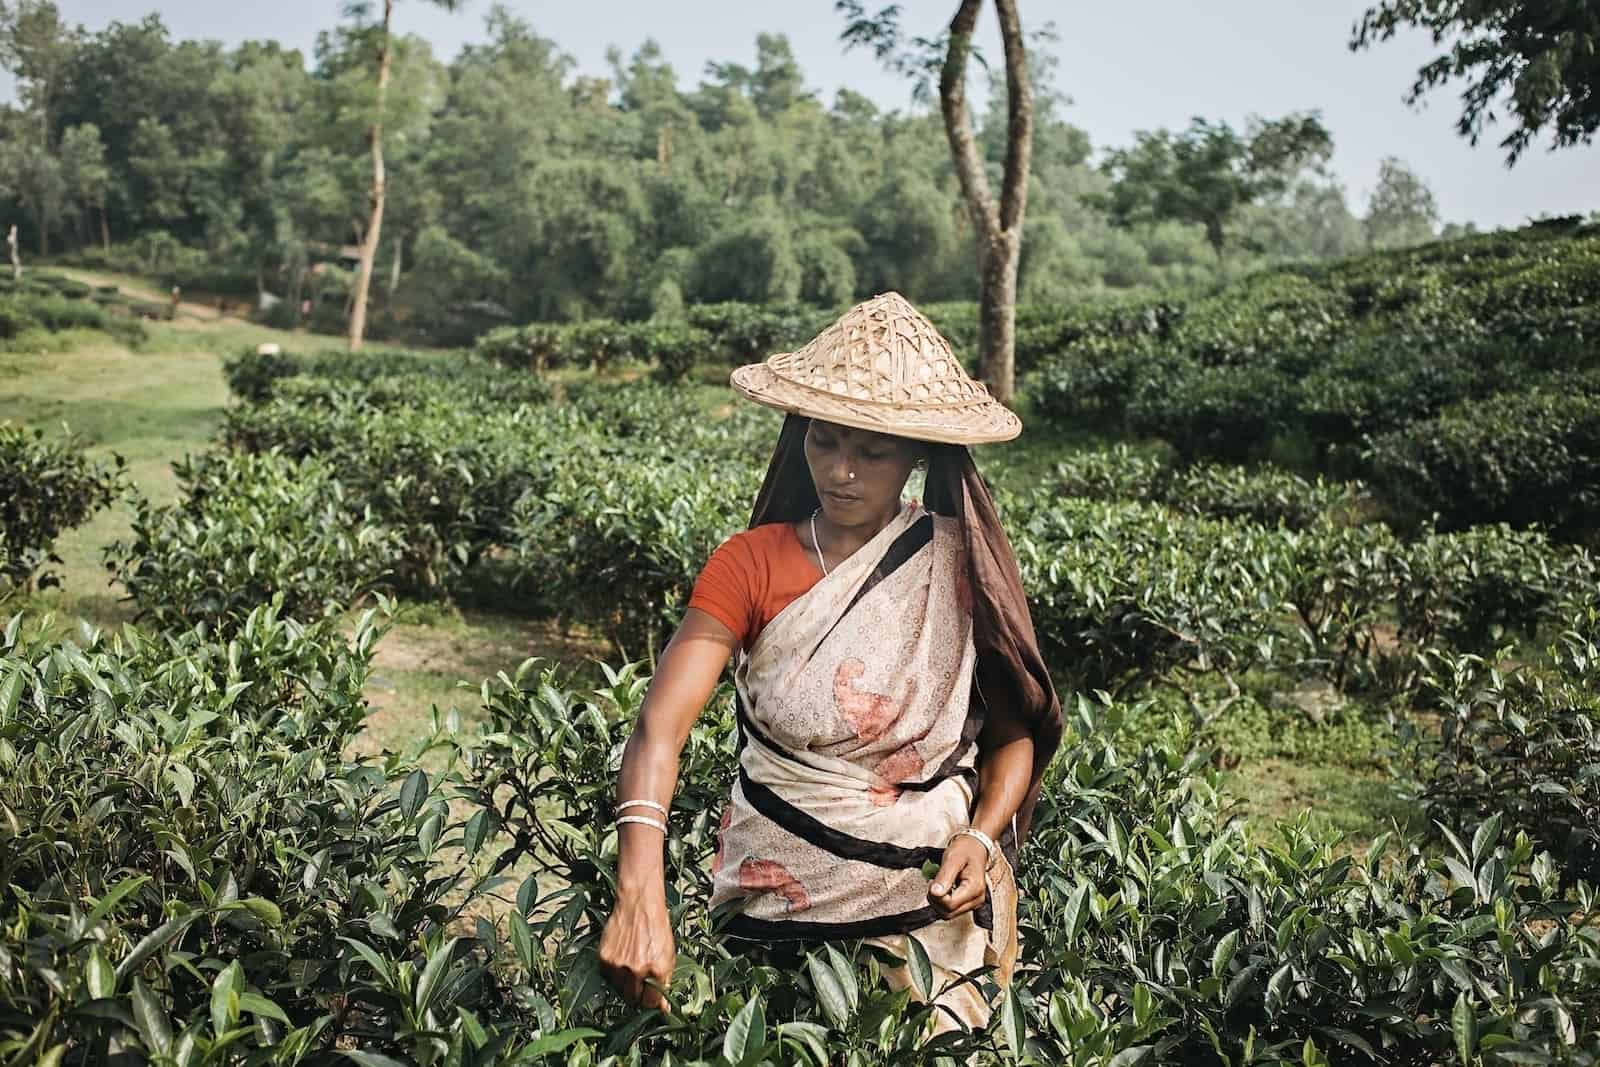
(522, 189)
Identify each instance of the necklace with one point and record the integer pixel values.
(816, 546)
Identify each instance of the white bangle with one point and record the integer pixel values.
(644, 820)
(625, 804)
(982, 838)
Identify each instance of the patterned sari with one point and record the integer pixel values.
(858, 753)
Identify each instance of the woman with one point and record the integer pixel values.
(893, 708)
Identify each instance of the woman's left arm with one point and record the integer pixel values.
(1005, 770)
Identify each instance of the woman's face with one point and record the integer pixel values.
(880, 463)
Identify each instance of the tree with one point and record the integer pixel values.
(997, 225)
(1542, 57)
(37, 47)
(1402, 210)
(86, 176)
(373, 232)
(1207, 173)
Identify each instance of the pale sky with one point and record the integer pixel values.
(1129, 65)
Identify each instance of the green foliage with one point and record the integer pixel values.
(1167, 934)
(252, 530)
(1529, 458)
(1520, 745)
(1266, 495)
(385, 377)
(1205, 174)
(1539, 60)
(47, 485)
(725, 332)
(1350, 363)
(192, 871)
(44, 304)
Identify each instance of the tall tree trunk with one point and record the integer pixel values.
(16, 260)
(369, 243)
(998, 228)
(105, 229)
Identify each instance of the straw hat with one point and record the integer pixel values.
(883, 366)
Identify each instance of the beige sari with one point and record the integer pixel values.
(858, 761)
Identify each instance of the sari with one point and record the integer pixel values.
(860, 706)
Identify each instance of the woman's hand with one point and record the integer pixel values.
(637, 952)
(959, 887)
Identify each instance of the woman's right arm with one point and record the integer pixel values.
(637, 947)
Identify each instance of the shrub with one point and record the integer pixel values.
(1164, 933)
(249, 531)
(47, 485)
(1520, 745)
(1123, 594)
(251, 374)
(676, 349)
(443, 483)
(191, 871)
(1263, 494)
(385, 378)
(1525, 459)
(1469, 591)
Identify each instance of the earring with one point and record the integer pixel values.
(852, 476)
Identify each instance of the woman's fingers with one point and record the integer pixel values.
(959, 886)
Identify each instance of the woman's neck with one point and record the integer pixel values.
(843, 541)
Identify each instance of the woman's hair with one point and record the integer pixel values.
(1009, 670)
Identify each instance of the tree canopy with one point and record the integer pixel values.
(524, 187)
(1540, 59)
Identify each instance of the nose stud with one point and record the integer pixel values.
(852, 476)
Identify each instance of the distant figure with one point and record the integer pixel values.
(16, 262)
(177, 296)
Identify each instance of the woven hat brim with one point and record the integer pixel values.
(986, 423)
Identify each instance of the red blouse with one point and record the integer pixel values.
(752, 576)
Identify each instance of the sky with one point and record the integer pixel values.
(1125, 66)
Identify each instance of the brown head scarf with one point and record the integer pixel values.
(1009, 670)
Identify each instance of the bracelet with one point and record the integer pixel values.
(982, 838)
(644, 820)
(623, 804)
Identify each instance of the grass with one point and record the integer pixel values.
(153, 405)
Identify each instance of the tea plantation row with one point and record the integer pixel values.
(195, 873)
(1462, 379)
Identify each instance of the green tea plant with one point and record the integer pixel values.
(1524, 459)
(252, 529)
(191, 872)
(47, 485)
(1520, 744)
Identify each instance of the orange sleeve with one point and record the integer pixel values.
(726, 589)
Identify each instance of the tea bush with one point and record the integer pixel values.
(1525, 459)
(1165, 933)
(1332, 353)
(385, 378)
(1123, 594)
(251, 530)
(1519, 744)
(444, 483)
(192, 872)
(1265, 495)
(47, 485)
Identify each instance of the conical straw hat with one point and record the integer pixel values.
(883, 366)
